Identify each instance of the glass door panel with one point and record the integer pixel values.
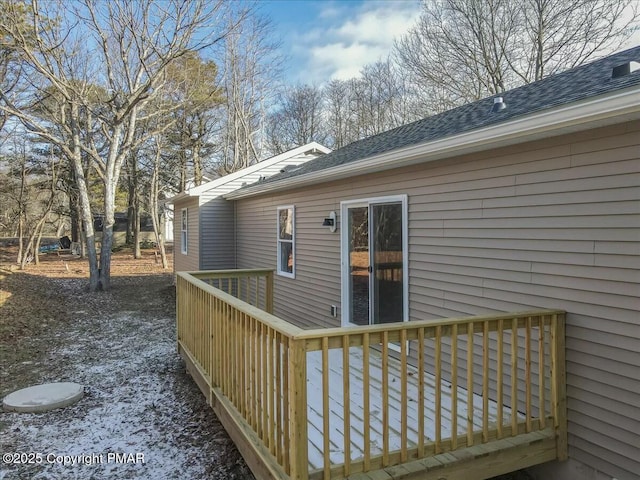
(387, 301)
(359, 265)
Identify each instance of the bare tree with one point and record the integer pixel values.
(104, 62)
(379, 99)
(250, 68)
(463, 50)
(337, 113)
(564, 34)
(153, 199)
(29, 194)
(298, 120)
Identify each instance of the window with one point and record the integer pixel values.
(184, 236)
(286, 241)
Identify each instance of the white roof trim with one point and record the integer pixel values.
(218, 182)
(621, 105)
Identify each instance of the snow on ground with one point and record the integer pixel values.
(138, 402)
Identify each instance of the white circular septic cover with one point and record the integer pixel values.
(42, 398)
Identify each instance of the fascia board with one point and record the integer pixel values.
(238, 175)
(623, 104)
(180, 197)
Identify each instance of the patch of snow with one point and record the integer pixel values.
(138, 401)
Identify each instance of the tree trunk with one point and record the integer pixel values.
(155, 211)
(107, 235)
(110, 186)
(21, 214)
(34, 241)
(197, 165)
(137, 254)
(36, 247)
(132, 194)
(60, 229)
(83, 202)
(20, 240)
(75, 223)
(79, 230)
(39, 228)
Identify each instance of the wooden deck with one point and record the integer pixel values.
(395, 407)
(465, 398)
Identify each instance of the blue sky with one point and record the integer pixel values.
(327, 39)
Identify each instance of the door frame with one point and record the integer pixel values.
(344, 251)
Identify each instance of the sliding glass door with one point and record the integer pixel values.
(374, 261)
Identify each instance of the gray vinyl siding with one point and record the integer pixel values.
(548, 224)
(190, 261)
(256, 239)
(214, 231)
(217, 236)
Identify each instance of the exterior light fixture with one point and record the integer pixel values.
(331, 222)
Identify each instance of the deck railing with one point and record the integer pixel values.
(439, 385)
(250, 359)
(444, 385)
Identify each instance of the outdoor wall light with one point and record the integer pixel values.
(331, 222)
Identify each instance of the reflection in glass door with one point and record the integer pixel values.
(387, 259)
(358, 224)
(375, 262)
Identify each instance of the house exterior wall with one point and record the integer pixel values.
(548, 224)
(217, 235)
(191, 260)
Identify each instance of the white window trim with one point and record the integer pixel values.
(293, 242)
(184, 232)
(344, 251)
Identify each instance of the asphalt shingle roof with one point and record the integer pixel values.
(573, 85)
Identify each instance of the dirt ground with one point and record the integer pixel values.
(121, 346)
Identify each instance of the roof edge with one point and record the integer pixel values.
(575, 116)
(196, 191)
(179, 197)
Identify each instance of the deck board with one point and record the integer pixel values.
(356, 396)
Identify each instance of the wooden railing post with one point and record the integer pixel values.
(298, 441)
(179, 313)
(269, 293)
(559, 383)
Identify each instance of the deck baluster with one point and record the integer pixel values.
(485, 382)
(542, 413)
(500, 378)
(470, 409)
(346, 405)
(514, 376)
(454, 387)
(438, 373)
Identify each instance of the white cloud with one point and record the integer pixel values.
(377, 27)
(343, 61)
(356, 38)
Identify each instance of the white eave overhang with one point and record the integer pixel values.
(619, 106)
(179, 197)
